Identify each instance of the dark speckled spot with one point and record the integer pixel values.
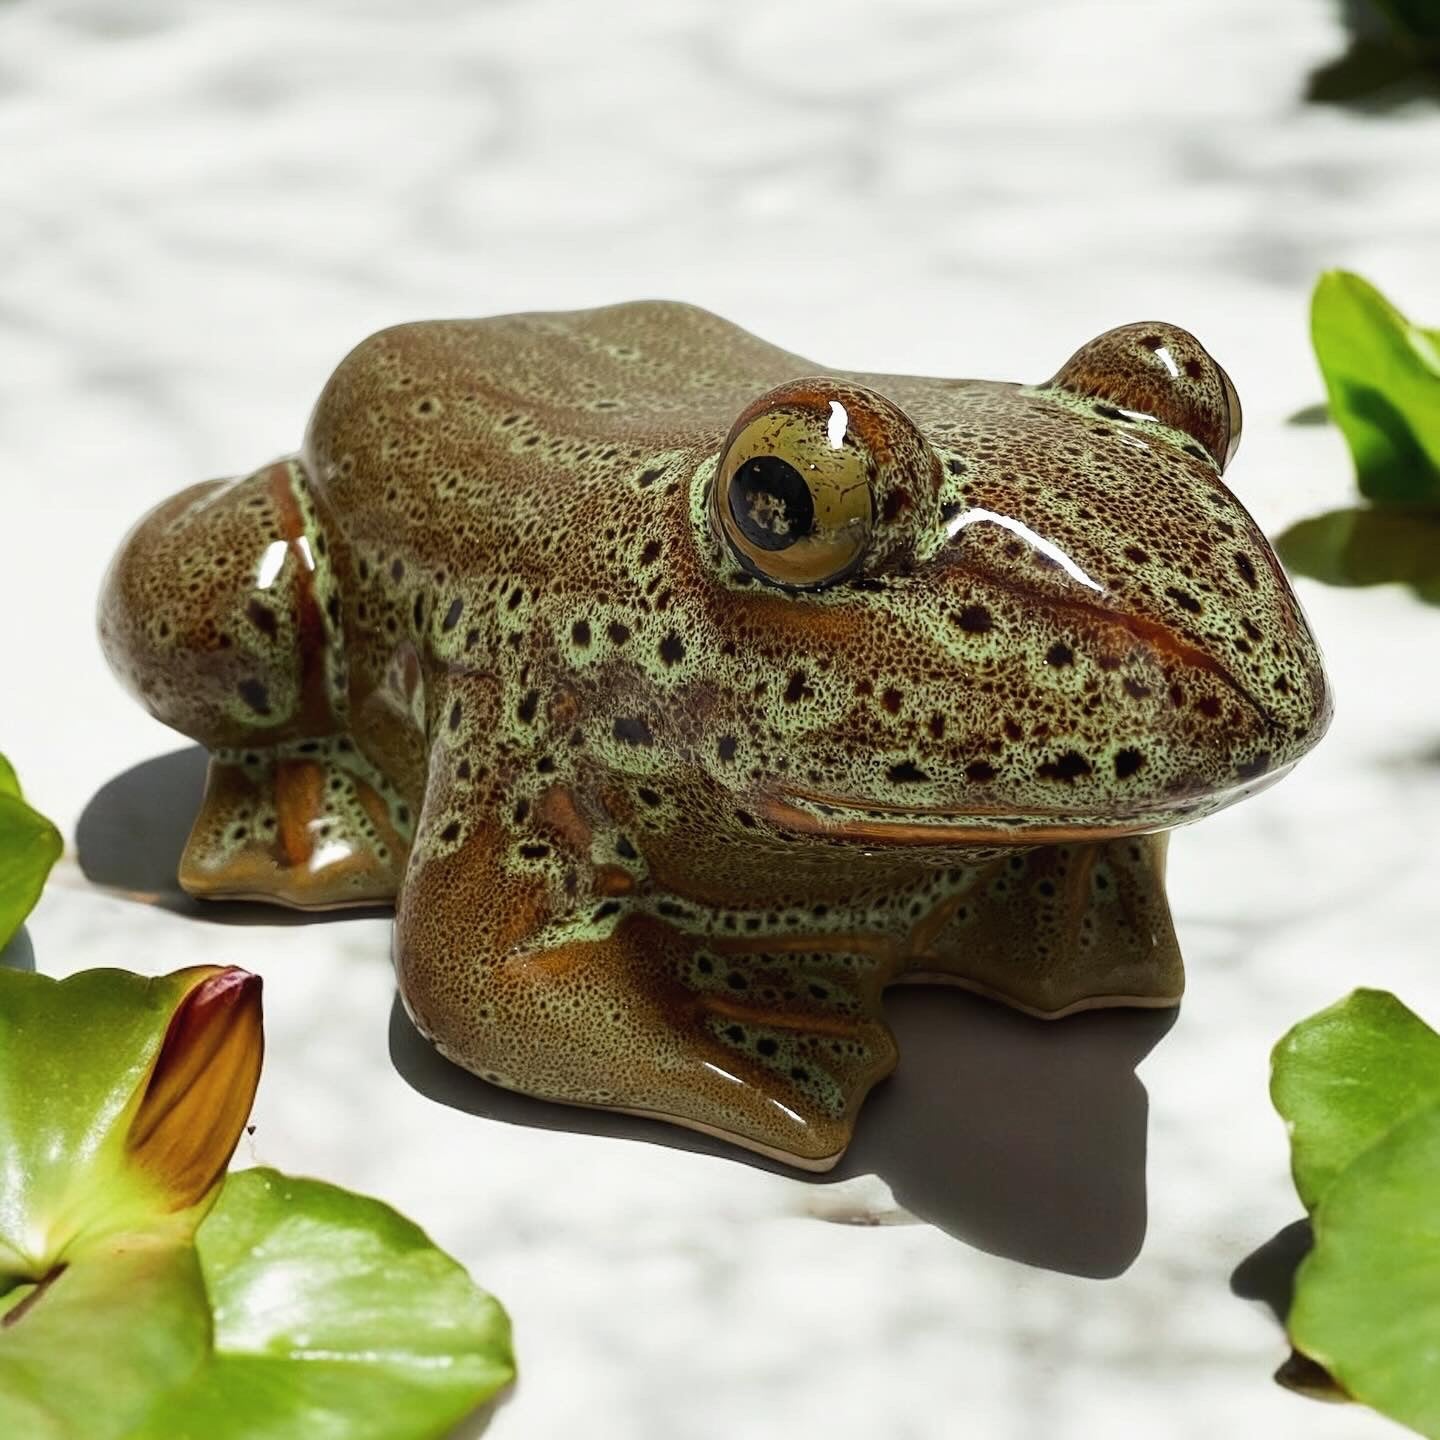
(907, 772)
(1059, 654)
(975, 620)
(1127, 762)
(262, 617)
(1070, 766)
(255, 695)
(672, 649)
(633, 731)
(453, 614)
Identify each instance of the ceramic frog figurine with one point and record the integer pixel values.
(684, 695)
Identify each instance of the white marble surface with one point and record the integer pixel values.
(203, 205)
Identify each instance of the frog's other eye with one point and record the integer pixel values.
(1160, 372)
(811, 476)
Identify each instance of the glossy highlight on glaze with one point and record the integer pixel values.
(685, 695)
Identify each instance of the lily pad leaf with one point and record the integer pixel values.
(1344, 1078)
(371, 1323)
(144, 1294)
(1382, 378)
(1359, 1087)
(84, 1353)
(29, 846)
(1367, 1298)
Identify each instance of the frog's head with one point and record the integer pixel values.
(1026, 613)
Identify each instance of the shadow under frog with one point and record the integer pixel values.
(684, 697)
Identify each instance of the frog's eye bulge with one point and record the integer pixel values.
(1153, 371)
(817, 478)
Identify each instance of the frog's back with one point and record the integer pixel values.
(520, 393)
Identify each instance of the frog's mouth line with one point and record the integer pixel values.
(845, 818)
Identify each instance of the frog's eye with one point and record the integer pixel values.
(809, 474)
(1159, 372)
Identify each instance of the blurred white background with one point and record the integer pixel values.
(204, 205)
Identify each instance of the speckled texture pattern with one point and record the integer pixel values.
(688, 695)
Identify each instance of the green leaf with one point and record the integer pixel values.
(373, 1333)
(1382, 376)
(29, 846)
(294, 1309)
(1359, 1088)
(1367, 1298)
(86, 1357)
(1344, 1078)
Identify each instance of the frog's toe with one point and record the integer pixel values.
(307, 825)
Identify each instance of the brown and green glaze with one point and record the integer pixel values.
(684, 695)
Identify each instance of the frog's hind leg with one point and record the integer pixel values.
(548, 977)
(1058, 929)
(310, 824)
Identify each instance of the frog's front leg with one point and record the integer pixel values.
(1058, 929)
(545, 976)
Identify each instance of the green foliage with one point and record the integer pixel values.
(1382, 376)
(375, 1333)
(29, 846)
(142, 1296)
(1359, 1088)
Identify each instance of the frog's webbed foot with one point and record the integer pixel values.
(1059, 929)
(308, 824)
(773, 1051)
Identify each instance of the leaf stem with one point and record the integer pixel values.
(13, 1316)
